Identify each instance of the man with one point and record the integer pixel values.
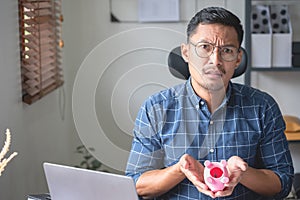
(211, 118)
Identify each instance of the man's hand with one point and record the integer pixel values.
(236, 168)
(194, 171)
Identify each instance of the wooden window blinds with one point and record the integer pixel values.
(40, 45)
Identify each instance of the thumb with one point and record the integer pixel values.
(242, 165)
(184, 161)
(237, 163)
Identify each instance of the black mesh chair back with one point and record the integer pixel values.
(179, 68)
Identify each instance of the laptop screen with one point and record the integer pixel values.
(70, 183)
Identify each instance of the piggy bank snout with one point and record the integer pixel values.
(216, 172)
(215, 175)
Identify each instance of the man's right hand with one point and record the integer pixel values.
(194, 171)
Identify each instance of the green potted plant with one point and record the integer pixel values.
(89, 161)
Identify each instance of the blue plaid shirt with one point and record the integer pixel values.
(176, 121)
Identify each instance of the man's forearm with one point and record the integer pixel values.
(261, 181)
(157, 182)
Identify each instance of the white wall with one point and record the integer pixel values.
(38, 131)
(44, 131)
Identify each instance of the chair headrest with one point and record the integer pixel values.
(179, 68)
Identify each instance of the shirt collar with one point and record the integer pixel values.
(191, 93)
(228, 92)
(196, 99)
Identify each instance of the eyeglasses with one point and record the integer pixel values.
(205, 49)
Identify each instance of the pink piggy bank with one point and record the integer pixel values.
(215, 175)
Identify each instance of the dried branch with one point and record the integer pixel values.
(5, 149)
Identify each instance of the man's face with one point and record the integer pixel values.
(211, 73)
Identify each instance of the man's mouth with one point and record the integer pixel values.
(213, 73)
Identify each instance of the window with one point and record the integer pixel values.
(40, 45)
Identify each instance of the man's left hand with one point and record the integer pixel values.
(236, 167)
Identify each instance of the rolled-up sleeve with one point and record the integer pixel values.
(146, 152)
(274, 148)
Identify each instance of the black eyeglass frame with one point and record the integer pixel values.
(213, 49)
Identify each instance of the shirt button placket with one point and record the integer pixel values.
(201, 104)
(212, 148)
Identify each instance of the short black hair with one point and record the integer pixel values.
(216, 15)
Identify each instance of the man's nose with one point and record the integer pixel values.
(215, 57)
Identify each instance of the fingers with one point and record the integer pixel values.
(201, 187)
(236, 164)
(226, 192)
(193, 171)
(207, 192)
(187, 162)
(236, 168)
(242, 165)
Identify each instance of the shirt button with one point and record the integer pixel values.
(211, 122)
(201, 103)
(211, 150)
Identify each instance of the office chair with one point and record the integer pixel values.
(179, 68)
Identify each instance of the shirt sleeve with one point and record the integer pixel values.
(146, 151)
(274, 149)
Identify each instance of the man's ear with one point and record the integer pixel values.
(185, 52)
(239, 59)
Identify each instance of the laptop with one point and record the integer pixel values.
(71, 183)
